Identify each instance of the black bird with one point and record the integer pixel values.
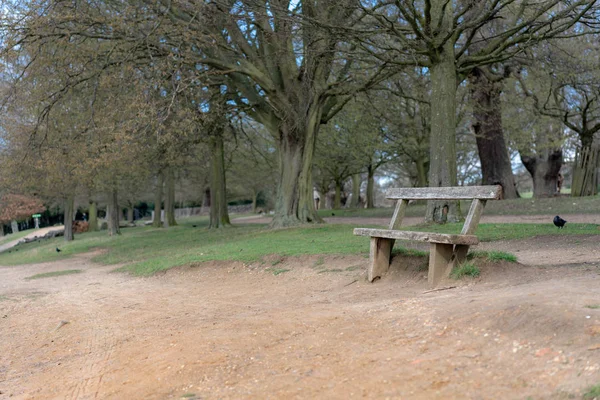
(559, 222)
(58, 250)
(193, 226)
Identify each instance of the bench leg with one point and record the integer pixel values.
(460, 254)
(381, 251)
(440, 257)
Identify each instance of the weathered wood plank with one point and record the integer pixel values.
(447, 193)
(398, 214)
(418, 236)
(439, 262)
(473, 217)
(381, 251)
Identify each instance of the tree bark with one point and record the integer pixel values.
(294, 203)
(206, 200)
(370, 187)
(158, 191)
(130, 214)
(93, 217)
(493, 153)
(544, 170)
(585, 167)
(421, 172)
(113, 212)
(254, 200)
(1, 230)
(14, 225)
(355, 191)
(442, 167)
(68, 218)
(170, 198)
(219, 214)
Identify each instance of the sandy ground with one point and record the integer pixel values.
(34, 233)
(236, 331)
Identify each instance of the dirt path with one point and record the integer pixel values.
(231, 331)
(33, 234)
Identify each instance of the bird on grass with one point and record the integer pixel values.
(58, 250)
(559, 222)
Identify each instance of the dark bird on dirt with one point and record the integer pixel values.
(58, 250)
(559, 222)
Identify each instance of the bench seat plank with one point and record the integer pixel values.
(418, 236)
(490, 192)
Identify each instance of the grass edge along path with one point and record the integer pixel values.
(148, 250)
(54, 273)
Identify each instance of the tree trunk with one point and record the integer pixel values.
(442, 167)
(68, 218)
(421, 172)
(337, 201)
(130, 214)
(93, 217)
(370, 187)
(355, 191)
(587, 162)
(487, 115)
(1, 230)
(254, 199)
(113, 212)
(206, 200)
(170, 198)
(544, 171)
(14, 226)
(158, 191)
(219, 215)
(294, 203)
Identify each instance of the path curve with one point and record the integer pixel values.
(33, 234)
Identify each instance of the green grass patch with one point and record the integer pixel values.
(319, 262)
(593, 306)
(54, 273)
(277, 271)
(15, 236)
(466, 269)
(492, 256)
(3, 298)
(593, 392)
(147, 250)
(354, 268)
(275, 262)
(409, 252)
(330, 270)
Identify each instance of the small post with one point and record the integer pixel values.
(36, 218)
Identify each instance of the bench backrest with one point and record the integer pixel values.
(446, 193)
(479, 195)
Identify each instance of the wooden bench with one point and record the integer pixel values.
(446, 251)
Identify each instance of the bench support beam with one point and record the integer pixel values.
(440, 256)
(379, 260)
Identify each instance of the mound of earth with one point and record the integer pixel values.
(308, 327)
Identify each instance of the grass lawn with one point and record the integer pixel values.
(147, 250)
(54, 273)
(524, 206)
(15, 236)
